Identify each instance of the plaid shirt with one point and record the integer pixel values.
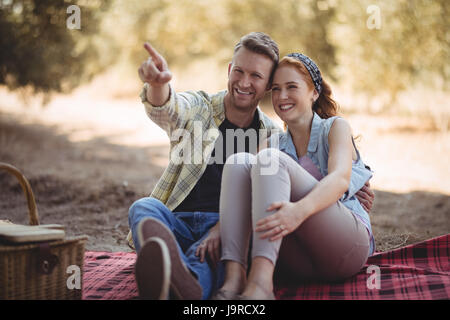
(195, 112)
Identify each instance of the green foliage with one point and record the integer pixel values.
(38, 50)
(297, 26)
(186, 30)
(412, 45)
(182, 30)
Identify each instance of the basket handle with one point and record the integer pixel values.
(32, 209)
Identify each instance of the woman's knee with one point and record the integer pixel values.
(266, 154)
(242, 158)
(240, 162)
(268, 161)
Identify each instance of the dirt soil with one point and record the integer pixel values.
(88, 186)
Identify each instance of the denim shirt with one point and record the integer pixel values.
(318, 149)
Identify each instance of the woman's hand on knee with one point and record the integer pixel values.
(276, 226)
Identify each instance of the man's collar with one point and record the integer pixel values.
(218, 105)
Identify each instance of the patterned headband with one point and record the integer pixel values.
(312, 68)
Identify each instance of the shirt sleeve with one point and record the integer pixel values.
(175, 112)
(360, 175)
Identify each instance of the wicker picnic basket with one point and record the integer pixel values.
(40, 270)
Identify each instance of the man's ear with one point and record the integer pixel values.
(229, 68)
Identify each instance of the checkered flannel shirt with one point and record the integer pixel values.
(181, 111)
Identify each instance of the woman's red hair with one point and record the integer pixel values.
(324, 106)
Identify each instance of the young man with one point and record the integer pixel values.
(176, 230)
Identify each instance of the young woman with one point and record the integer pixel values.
(303, 217)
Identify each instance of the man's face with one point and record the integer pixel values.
(248, 78)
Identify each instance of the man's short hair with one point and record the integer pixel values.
(259, 42)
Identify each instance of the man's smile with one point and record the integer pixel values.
(243, 93)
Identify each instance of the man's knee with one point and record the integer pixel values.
(143, 205)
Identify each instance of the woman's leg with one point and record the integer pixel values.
(335, 242)
(330, 244)
(235, 219)
(270, 183)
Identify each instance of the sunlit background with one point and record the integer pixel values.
(388, 62)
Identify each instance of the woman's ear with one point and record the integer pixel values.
(315, 96)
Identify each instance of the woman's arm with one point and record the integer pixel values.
(331, 188)
(290, 215)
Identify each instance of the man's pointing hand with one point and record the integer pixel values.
(154, 70)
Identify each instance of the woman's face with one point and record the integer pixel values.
(291, 96)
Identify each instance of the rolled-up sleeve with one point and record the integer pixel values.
(171, 115)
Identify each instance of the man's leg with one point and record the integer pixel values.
(153, 270)
(208, 275)
(179, 229)
(152, 208)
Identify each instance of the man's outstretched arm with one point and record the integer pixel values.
(156, 73)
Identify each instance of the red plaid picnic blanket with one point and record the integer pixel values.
(418, 271)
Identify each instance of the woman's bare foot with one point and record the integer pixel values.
(260, 280)
(234, 284)
(255, 291)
